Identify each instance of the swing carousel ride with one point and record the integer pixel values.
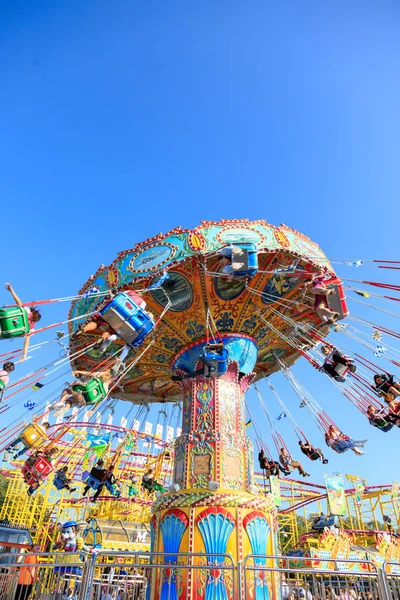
(190, 320)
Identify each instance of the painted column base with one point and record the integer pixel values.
(224, 522)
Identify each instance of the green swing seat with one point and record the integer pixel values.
(93, 391)
(14, 322)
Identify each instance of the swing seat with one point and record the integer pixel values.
(112, 488)
(336, 299)
(29, 477)
(132, 491)
(2, 386)
(153, 486)
(91, 481)
(244, 259)
(34, 435)
(58, 483)
(384, 428)
(14, 322)
(314, 456)
(92, 392)
(130, 322)
(341, 446)
(219, 363)
(327, 522)
(148, 485)
(341, 369)
(42, 467)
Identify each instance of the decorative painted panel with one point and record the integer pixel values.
(172, 528)
(216, 526)
(258, 530)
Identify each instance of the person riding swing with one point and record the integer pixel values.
(336, 364)
(311, 452)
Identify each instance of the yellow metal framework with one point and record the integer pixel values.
(302, 501)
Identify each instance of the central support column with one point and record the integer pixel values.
(216, 508)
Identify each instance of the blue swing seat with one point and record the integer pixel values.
(112, 488)
(58, 483)
(385, 428)
(91, 481)
(130, 322)
(244, 259)
(341, 446)
(325, 522)
(219, 362)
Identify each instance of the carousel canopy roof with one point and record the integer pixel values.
(196, 301)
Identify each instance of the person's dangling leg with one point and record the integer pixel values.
(325, 312)
(64, 395)
(194, 374)
(321, 307)
(299, 467)
(359, 443)
(124, 353)
(109, 339)
(321, 456)
(20, 453)
(60, 405)
(103, 339)
(119, 361)
(98, 492)
(321, 291)
(358, 450)
(206, 362)
(78, 398)
(394, 392)
(91, 326)
(330, 370)
(15, 443)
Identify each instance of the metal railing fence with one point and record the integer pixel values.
(122, 575)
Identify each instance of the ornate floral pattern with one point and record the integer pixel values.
(172, 528)
(225, 322)
(216, 526)
(258, 530)
(204, 407)
(195, 329)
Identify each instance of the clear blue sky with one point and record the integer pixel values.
(120, 120)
